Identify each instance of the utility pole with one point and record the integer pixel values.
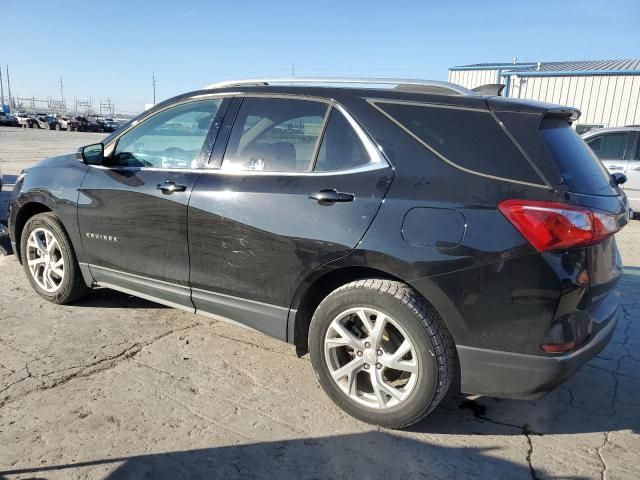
(64, 108)
(293, 69)
(9, 86)
(153, 76)
(1, 89)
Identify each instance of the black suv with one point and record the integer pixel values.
(412, 236)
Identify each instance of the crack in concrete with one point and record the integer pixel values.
(603, 472)
(90, 369)
(527, 433)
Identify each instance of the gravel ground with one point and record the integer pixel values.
(116, 388)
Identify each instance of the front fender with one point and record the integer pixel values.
(52, 185)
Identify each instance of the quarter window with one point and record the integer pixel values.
(341, 149)
(275, 135)
(468, 138)
(609, 146)
(173, 138)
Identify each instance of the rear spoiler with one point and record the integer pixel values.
(494, 89)
(501, 104)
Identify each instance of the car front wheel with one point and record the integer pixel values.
(49, 260)
(381, 352)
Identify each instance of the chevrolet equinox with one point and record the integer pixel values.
(412, 236)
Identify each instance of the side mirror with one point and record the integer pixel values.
(619, 178)
(92, 154)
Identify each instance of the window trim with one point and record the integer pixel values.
(378, 159)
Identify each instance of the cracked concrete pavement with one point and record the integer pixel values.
(117, 387)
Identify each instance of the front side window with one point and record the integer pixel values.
(173, 138)
(609, 146)
(275, 135)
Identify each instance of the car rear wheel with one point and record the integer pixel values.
(381, 352)
(49, 260)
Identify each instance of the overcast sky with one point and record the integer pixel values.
(109, 48)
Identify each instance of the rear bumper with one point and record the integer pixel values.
(519, 376)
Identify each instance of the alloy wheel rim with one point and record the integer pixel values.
(45, 260)
(371, 358)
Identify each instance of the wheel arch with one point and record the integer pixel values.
(23, 215)
(313, 290)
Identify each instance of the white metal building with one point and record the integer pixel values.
(606, 91)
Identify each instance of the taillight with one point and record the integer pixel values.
(556, 226)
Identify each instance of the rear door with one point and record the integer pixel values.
(132, 211)
(298, 185)
(632, 186)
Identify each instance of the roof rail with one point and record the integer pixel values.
(425, 86)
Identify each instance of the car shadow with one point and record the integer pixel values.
(603, 396)
(107, 298)
(371, 455)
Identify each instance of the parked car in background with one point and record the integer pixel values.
(25, 119)
(412, 239)
(45, 121)
(84, 124)
(8, 120)
(67, 123)
(619, 150)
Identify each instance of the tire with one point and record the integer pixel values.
(71, 285)
(407, 315)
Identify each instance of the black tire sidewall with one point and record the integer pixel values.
(424, 391)
(65, 292)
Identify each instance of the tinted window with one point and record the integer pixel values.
(609, 146)
(581, 170)
(276, 135)
(172, 138)
(471, 139)
(341, 148)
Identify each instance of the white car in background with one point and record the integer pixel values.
(619, 150)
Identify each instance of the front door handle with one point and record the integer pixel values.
(329, 196)
(170, 187)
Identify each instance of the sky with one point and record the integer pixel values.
(111, 49)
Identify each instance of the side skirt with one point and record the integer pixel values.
(257, 316)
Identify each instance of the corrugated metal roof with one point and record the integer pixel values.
(609, 66)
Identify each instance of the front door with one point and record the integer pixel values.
(298, 186)
(132, 210)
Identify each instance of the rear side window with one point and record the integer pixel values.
(468, 138)
(275, 135)
(581, 170)
(609, 146)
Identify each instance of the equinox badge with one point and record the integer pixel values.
(98, 236)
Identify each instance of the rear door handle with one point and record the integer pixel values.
(170, 187)
(329, 196)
